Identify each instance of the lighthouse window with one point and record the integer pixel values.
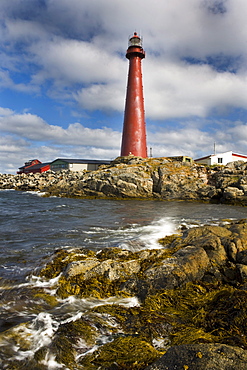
(135, 41)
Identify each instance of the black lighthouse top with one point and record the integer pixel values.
(135, 47)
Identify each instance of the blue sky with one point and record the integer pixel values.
(63, 76)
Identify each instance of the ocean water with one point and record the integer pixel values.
(33, 227)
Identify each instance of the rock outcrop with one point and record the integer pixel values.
(192, 308)
(205, 253)
(188, 310)
(134, 177)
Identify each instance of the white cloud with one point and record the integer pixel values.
(180, 90)
(196, 142)
(25, 31)
(76, 45)
(73, 61)
(5, 112)
(14, 152)
(34, 128)
(7, 82)
(23, 135)
(102, 97)
(182, 141)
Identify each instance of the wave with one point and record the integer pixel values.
(132, 236)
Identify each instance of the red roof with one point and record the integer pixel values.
(34, 168)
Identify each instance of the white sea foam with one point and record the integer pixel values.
(147, 236)
(132, 236)
(73, 318)
(91, 350)
(51, 363)
(156, 230)
(41, 282)
(74, 305)
(38, 193)
(39, 333)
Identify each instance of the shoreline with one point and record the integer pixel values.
(143, 179)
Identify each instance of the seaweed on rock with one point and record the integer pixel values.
(124, 353)
(61, 259)
(206, 301)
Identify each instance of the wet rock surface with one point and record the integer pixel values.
(205, 253)
(203, 356)
(191, 311)
(134, 177)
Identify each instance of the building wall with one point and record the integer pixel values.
(83, 166)
(45, 168)
(78, 166)
(240, 157)
(222, 159)
(182, 158)
(206, 161)
(93, 166)
(59, 166)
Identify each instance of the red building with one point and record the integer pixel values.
(34, 166)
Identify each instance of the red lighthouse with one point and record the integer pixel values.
(134, 127)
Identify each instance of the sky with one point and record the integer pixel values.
(63, 77)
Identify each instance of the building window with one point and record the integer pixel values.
(220, 160)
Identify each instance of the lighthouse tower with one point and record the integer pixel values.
(134, 127)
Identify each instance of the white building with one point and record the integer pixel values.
(61, 164)
(221, 158)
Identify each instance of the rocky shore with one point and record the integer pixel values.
(189, 297)
(190, 309)
(134, 177)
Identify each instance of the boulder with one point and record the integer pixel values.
(231, 192)
(211, 239)
(242, 272)
(202, 357)
(188, 264)
(114, 270)
(241, 257)
(80, 267)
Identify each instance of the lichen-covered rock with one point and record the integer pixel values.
(109, 269)
(120, 180)
(177, 180)
(239, 234)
